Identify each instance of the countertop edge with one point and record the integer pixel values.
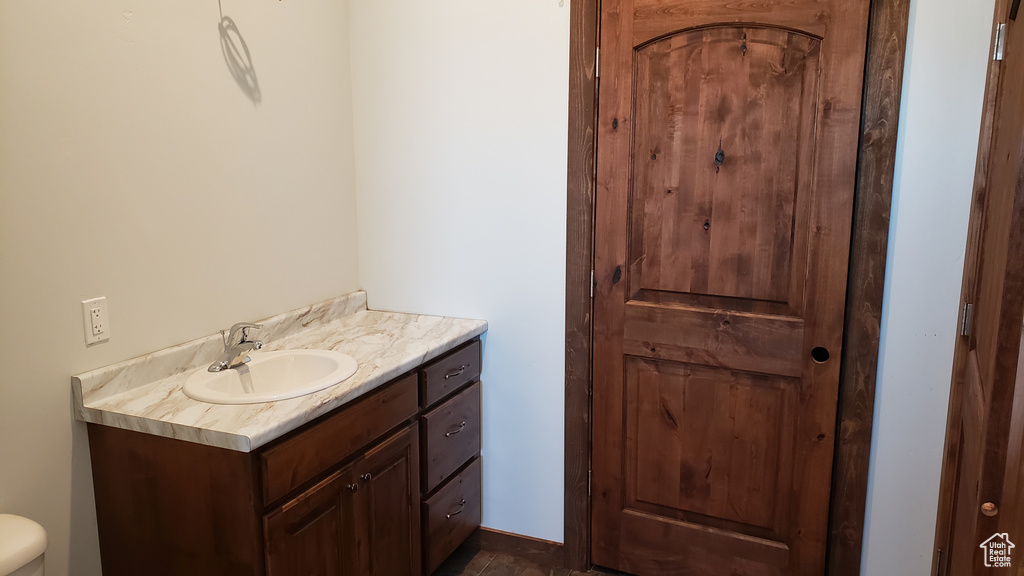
(217, 439)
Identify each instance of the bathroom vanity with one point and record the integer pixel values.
(378, 475)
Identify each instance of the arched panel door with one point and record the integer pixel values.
(727, 149)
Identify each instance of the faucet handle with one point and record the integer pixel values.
(233, 334)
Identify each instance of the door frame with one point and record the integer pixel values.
(886, 49)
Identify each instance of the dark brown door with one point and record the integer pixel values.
(727, 142)
(361, 521)
(982, 482)
(387, 519)
(305, 535)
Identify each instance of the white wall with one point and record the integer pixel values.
(133, 167)
(460, 122)
(943, 87)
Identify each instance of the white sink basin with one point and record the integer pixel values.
(271, 376)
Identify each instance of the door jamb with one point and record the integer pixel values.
(886, 49)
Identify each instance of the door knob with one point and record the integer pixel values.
(989, 509)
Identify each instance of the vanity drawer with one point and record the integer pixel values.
(451, 515)
(313, 451)
(444, 376)
(451, 434)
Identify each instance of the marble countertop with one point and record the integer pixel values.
(145, 393)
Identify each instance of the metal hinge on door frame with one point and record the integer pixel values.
(597, 62)
(1000, 45)
(968, 321)
(589, 474)
(938, 562)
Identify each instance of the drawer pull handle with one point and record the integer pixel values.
(367, 477)
(462, 505)
(353, 487)
(455, 431)
(457, 372)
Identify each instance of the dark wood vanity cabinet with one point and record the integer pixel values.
(387, 485)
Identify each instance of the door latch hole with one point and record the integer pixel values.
(820, 354)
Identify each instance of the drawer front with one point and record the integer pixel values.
(310, 453)
(452, 515)
(451, 436)
(446, 375)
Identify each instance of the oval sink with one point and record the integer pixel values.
(271, 376)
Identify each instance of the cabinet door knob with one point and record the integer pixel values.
(462, 505)
(989, 509)
(455, 431)
(353, 487)
(366, 477)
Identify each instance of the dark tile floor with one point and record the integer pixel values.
(467, 561)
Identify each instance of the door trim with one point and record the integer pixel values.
(886, 48)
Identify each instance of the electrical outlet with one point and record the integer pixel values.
(97, 321)
(97, 325)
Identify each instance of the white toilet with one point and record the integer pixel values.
(22, 543)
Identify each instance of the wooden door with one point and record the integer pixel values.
(361, 521)
(306, 535)
(727, 142)
(387, 518)
(981, 487)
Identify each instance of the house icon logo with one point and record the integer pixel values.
(997, 550)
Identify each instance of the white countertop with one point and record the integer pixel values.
(145, 393)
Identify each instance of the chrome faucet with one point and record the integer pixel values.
(237, 347)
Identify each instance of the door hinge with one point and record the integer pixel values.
(968, 323)
(938, 562)
(589, 474)
(591, 283)
(1000, 46)
(597, 63)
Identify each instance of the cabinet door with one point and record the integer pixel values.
(387, 523)
(305, 537)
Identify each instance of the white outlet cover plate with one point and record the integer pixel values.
(87, 306)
